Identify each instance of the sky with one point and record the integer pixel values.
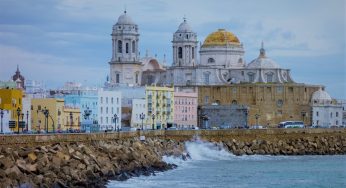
(56, 41)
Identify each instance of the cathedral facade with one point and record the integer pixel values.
(220, 75)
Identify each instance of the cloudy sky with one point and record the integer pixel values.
(69, 40)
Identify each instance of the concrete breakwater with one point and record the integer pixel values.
(84, 164)
(90, 160)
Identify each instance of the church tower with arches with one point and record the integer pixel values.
(125, 67)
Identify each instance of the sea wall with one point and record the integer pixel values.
(90, 160)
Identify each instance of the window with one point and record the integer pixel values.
(331, 114)
(112, 100)
(117, 78)
(39, 107)
(106, 119)
(120, 46)
(117, 100)
(133, 47)
(270, 77)
(317, 113)
(106, 100)
(193, 53)
(180, 52)
(136, 78)
(127, 48)
(337, 114)
(187, 36)
(206, 78)
(101, 110)
(211, 60)
(337, 122)
(106, 110)
(206, 99)
(251, 77)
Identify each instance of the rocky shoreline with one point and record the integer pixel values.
(317, 145)
(84, 165)
(93, 164)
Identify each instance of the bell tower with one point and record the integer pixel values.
(125, 68)
(184, 46)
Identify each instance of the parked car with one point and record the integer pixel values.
(291, 124)
(172, 128)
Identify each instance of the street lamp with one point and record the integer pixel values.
(153, 117)
(115, 122)
(46, 114)
(22, 120)
(142, 116)
(18, 114)
(71, 119)
(2, 116)
(257, 116)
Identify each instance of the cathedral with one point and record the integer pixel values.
(220, 75)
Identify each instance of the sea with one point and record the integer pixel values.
(212, 166)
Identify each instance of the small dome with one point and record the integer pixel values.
(125, 19)
(184, 27)
(321, 95)
(263, 62)
(220, 38)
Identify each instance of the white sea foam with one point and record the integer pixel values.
(200, 150)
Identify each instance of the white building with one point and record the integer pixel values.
(326, 112)
(109, 106)
(138, 109)
(35, 89)
(5, 119)
(27, 110)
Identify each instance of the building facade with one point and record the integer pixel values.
(19, 79)
(85, 99)
(60, 118)
(326, 112)
(223, 116)
(185, 109)
(160, 106)
(273, 103)
(109, 107)
(139, 114)
(12, 100)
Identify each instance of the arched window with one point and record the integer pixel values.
(206, 77)
(120, 46)
(133, 47)
(193, 52)
(234, 102)
(270, 77)
(127, 48)
(211, 60)
(136, 81)
(117, 78)
(180, 52)
(251, 77)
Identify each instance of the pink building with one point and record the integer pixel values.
(185, 109)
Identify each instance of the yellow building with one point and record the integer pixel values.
(160, 106)
(12, 99)
(58, 118)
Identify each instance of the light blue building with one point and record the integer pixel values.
(84, 99)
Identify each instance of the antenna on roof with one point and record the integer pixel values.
(184, 18)
(125, 8)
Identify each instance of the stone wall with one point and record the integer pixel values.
(209, 135)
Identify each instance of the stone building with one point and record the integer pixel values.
(272, 102)
(223, 116)
(326, 112)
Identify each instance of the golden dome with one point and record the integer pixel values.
(220, 38)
